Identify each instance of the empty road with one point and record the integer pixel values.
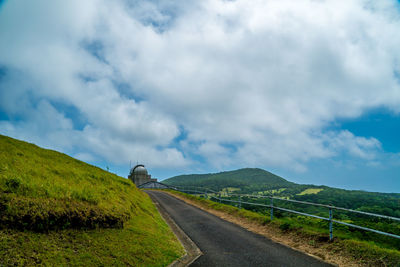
(226, 244)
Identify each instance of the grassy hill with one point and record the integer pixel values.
(56, 210)
(261, 182)
(248, 179)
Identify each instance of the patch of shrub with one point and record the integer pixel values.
(266, 221)
(42, 215)
(12, 184)
(285, 226)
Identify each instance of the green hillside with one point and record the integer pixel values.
(248, 179)
(56, 210)
(261, 182)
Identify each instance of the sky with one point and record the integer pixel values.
(306, 89)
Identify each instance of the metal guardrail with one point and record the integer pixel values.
(239, 202)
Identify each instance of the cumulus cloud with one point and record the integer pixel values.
(225, 83)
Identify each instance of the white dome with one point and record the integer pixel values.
(140, 169)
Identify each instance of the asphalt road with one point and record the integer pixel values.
(226, 244)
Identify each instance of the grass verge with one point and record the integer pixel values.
(43, 190)
(144, 241)
(58, 211)
(294, 233)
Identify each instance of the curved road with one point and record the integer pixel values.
(226, 244)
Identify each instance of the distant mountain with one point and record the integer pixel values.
(248, 179)
(261, 182)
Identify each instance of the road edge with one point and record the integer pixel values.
(192, 251)
(210, 211)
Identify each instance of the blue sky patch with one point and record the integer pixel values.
(126, 91)
(3, 72)
(96, 49)
(378, 123)
(79, 121)
(4, 116)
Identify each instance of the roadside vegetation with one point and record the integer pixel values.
(349, 247)
(260, 182)
(56, 210)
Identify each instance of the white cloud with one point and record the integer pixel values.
(250, 83)
(361, 147)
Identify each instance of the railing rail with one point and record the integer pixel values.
(272, 206)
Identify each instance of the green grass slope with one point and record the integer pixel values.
(56, 210)
(246, 179)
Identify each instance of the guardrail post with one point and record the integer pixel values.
(330, 225)
(240, 202)
(219, 197)
(272, 208)
(205, 194)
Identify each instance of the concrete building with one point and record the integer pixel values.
(142, 179)
(139, 175)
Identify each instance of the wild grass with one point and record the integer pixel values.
(314, 231)
(58, 211)
(310, 191)
(144, 241)
(44, 189)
